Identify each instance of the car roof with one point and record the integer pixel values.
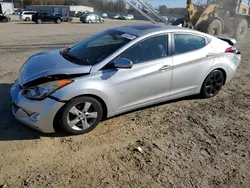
(28, 11)
(145, 29)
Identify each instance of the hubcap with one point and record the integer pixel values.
(242, 30)
(214, 83)
(82, 116)
(215, 31)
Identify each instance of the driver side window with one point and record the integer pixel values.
(150, 49)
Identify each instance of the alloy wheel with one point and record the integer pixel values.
(214, 83)
(82, 116)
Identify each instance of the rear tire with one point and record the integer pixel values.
(81, 115)
(214, 27)
(39, 21)
(58, 21)
(241, 26)
(212, 84)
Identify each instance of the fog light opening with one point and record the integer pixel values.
(35, 116)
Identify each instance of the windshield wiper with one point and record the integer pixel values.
(66, 55)
(73, 58)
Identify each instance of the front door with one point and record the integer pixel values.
(148, 80)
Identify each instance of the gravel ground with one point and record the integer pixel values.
(185, 143)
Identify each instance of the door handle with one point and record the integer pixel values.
(210, 55)
(165, 67)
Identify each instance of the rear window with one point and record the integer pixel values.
(186, 43)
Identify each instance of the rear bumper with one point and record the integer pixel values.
(36, 114)
(234, 64)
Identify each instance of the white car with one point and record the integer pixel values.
(105, 15)
(129, 17)
(117, 16)
(26, 15)
(165, 18)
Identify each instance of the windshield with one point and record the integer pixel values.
(96, 48)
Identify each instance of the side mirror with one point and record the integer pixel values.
(123, 64)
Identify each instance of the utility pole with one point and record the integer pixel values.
(118, 2)
(22, 3)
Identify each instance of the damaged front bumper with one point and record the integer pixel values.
(36, 114)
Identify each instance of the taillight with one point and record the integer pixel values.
(231, 49)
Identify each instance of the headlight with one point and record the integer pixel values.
(44, 90)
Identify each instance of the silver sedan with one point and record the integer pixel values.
(119, 70)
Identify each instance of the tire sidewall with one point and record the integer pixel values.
(239, 24)
(39, 21)
(216, 23)
(72, 103)
(203, 92)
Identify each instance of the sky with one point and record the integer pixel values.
(168, 3)
(171, 3)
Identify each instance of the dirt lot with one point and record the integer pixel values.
(186, 143)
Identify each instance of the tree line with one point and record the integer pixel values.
(99, 5)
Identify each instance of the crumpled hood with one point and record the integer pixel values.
(47, 64)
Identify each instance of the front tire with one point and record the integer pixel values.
(212, 84)
(81, 115)
(5, 20)
(27, 19)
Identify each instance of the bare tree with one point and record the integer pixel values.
(163, 9)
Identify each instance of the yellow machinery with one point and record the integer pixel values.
(210, 16)
(218, 16)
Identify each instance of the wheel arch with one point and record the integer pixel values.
(104, 105)
(203, 26)
(224, 74)
(213, 69)
(57, 121)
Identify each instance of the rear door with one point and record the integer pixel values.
(50, 17)
(97, 19)
(192, 58)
